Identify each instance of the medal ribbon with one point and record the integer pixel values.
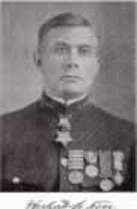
(105, 163)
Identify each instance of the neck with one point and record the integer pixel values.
(66, 99)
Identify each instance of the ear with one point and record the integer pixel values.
(36, 58)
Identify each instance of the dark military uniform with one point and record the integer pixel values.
(100, 156)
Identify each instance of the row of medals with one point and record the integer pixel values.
(106, 164)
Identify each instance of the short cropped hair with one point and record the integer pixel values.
(61, 20)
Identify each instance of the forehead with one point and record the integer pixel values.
(71, 35)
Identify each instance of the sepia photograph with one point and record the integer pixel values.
(67, 97)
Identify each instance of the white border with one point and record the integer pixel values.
(21, 201)
(86, 1)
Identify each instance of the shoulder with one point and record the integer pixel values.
(111, 119)
(115, 127)
(14, 124)
(21, 115)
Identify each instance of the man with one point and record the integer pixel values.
(62, 142)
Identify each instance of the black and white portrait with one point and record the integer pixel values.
(67, 97)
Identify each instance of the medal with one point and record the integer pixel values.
(118, 165)
(75, 160)
(118, 178)
(76, 153)
(64, 124)
(106, 185)
(91, 157)
(64, 138)
(91, 171)
(119, 155)
(75, 177)
(105, 164)
(63, 133)
(118, 158)
(75, 165)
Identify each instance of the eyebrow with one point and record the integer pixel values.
(62, 43)
(85, 46)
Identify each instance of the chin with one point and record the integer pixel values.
(73, 92)
(73, 89)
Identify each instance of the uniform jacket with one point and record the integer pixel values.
(31, 159)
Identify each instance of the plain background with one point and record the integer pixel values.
(20, 79)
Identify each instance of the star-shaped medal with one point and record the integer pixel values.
(64, 138)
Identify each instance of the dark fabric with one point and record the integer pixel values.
(31, 159)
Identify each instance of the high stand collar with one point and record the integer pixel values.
(64, 108)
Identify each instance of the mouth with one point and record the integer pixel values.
(71, 78)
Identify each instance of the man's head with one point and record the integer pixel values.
(67, 55)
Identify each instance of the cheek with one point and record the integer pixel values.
(90, 67)
(50, 66)
(51, 71)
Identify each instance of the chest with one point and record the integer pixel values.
(33, 161)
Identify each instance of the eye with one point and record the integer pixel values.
(84, 50)
(61, 50)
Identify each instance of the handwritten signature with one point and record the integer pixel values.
(66, 204)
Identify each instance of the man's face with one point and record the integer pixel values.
(69, 61)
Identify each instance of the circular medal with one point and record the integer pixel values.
(64, 162)
(91, 171)
(76, 177)
(106, 185)
(118, 178)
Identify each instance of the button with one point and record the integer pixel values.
(64, 161)
(16, 180)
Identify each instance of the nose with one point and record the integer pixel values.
(72, 60)
(72, 65)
